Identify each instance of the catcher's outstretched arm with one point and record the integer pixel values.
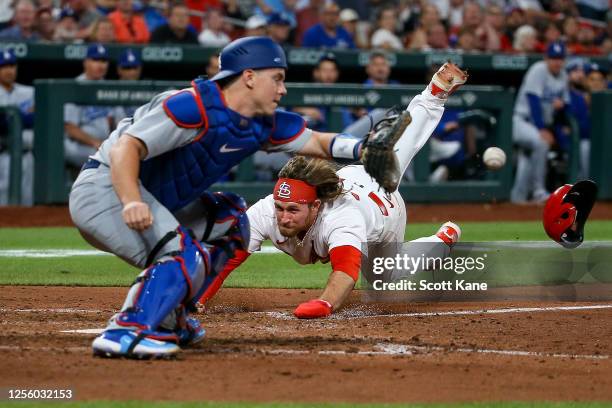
(341, 147)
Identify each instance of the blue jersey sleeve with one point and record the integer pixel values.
(535, 107)
(288, 126)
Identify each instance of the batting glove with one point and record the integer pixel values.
(313, 309)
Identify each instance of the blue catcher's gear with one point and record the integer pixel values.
(172, 281)
(250, 53)
(178, 177)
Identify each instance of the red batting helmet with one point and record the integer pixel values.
(567, 210)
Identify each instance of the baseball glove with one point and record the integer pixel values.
(378, 157)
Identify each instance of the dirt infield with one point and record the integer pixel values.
(59, 216)
(256, 351)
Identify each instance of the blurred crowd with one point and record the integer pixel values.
(512, 26)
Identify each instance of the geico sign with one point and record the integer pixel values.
(75, 52)
(162, 54)
(20, 49)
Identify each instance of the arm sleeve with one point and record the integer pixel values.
(261, 219)
(239, 257)
(71, 114)
(535, 107)
(346, 259)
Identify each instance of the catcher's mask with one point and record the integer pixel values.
(567, 210)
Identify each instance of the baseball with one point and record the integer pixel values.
(494, 158)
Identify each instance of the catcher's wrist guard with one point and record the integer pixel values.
(345, 148)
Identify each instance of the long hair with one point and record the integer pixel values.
(316, 172)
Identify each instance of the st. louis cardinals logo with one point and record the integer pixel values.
(284, 190)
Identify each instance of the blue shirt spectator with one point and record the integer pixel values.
(328, 33)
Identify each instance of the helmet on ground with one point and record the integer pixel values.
(567, 210)
(250, 53)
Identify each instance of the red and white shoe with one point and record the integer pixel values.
(450, 233)
(447, 80)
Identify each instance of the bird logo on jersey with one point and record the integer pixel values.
(284, 190)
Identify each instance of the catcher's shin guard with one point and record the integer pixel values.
(160, 289)
(223, 212)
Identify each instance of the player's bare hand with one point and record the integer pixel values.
(558, 104)
(137, 215)
(547, 136)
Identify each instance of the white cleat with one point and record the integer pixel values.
(447, 80)
(450, 233)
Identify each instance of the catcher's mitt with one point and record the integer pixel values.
(378, 157)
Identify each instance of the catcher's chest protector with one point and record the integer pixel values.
(225, 138)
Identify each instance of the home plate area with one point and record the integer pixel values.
(256, 350)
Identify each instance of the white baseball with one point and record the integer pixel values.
(494, 158)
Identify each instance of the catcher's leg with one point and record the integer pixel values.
(160, 291)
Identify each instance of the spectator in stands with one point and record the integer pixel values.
(279, 28)
(213, 35)
(491, 31)
(21, 97)
(514, 20)
(552, 33)
(454, 16)
(106, 6)
(152, 17)
(24, 19)
(570, 30)
(284, 7)
(437, 38)
(349, 19)
(472, 22)
(385, 35)
(129, 68)
(212, 67)
(177, 30)
(428, 18)
(197, 7)
(45, 24)
(306, 18)
(467, 41)
(67, 28)
(6, 14)
(86, 15)
(102, 31)
(525, 40)
(255, 26)
(86, 127)
(328, 33)
(543, 93)
(130, 28)
(585, 41)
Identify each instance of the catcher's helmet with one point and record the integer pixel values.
(567, 210)
(250, 53)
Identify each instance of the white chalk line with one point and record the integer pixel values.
(380, 349)
(349, 315)
(67, 253)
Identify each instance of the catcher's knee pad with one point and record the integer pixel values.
(175, 280)
(224, 211)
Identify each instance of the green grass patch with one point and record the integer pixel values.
(143, 404)
(259, 271)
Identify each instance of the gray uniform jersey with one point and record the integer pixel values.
(94, 120)
(96, 209)
(22, 97)
(160, 134)
(540, 82)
